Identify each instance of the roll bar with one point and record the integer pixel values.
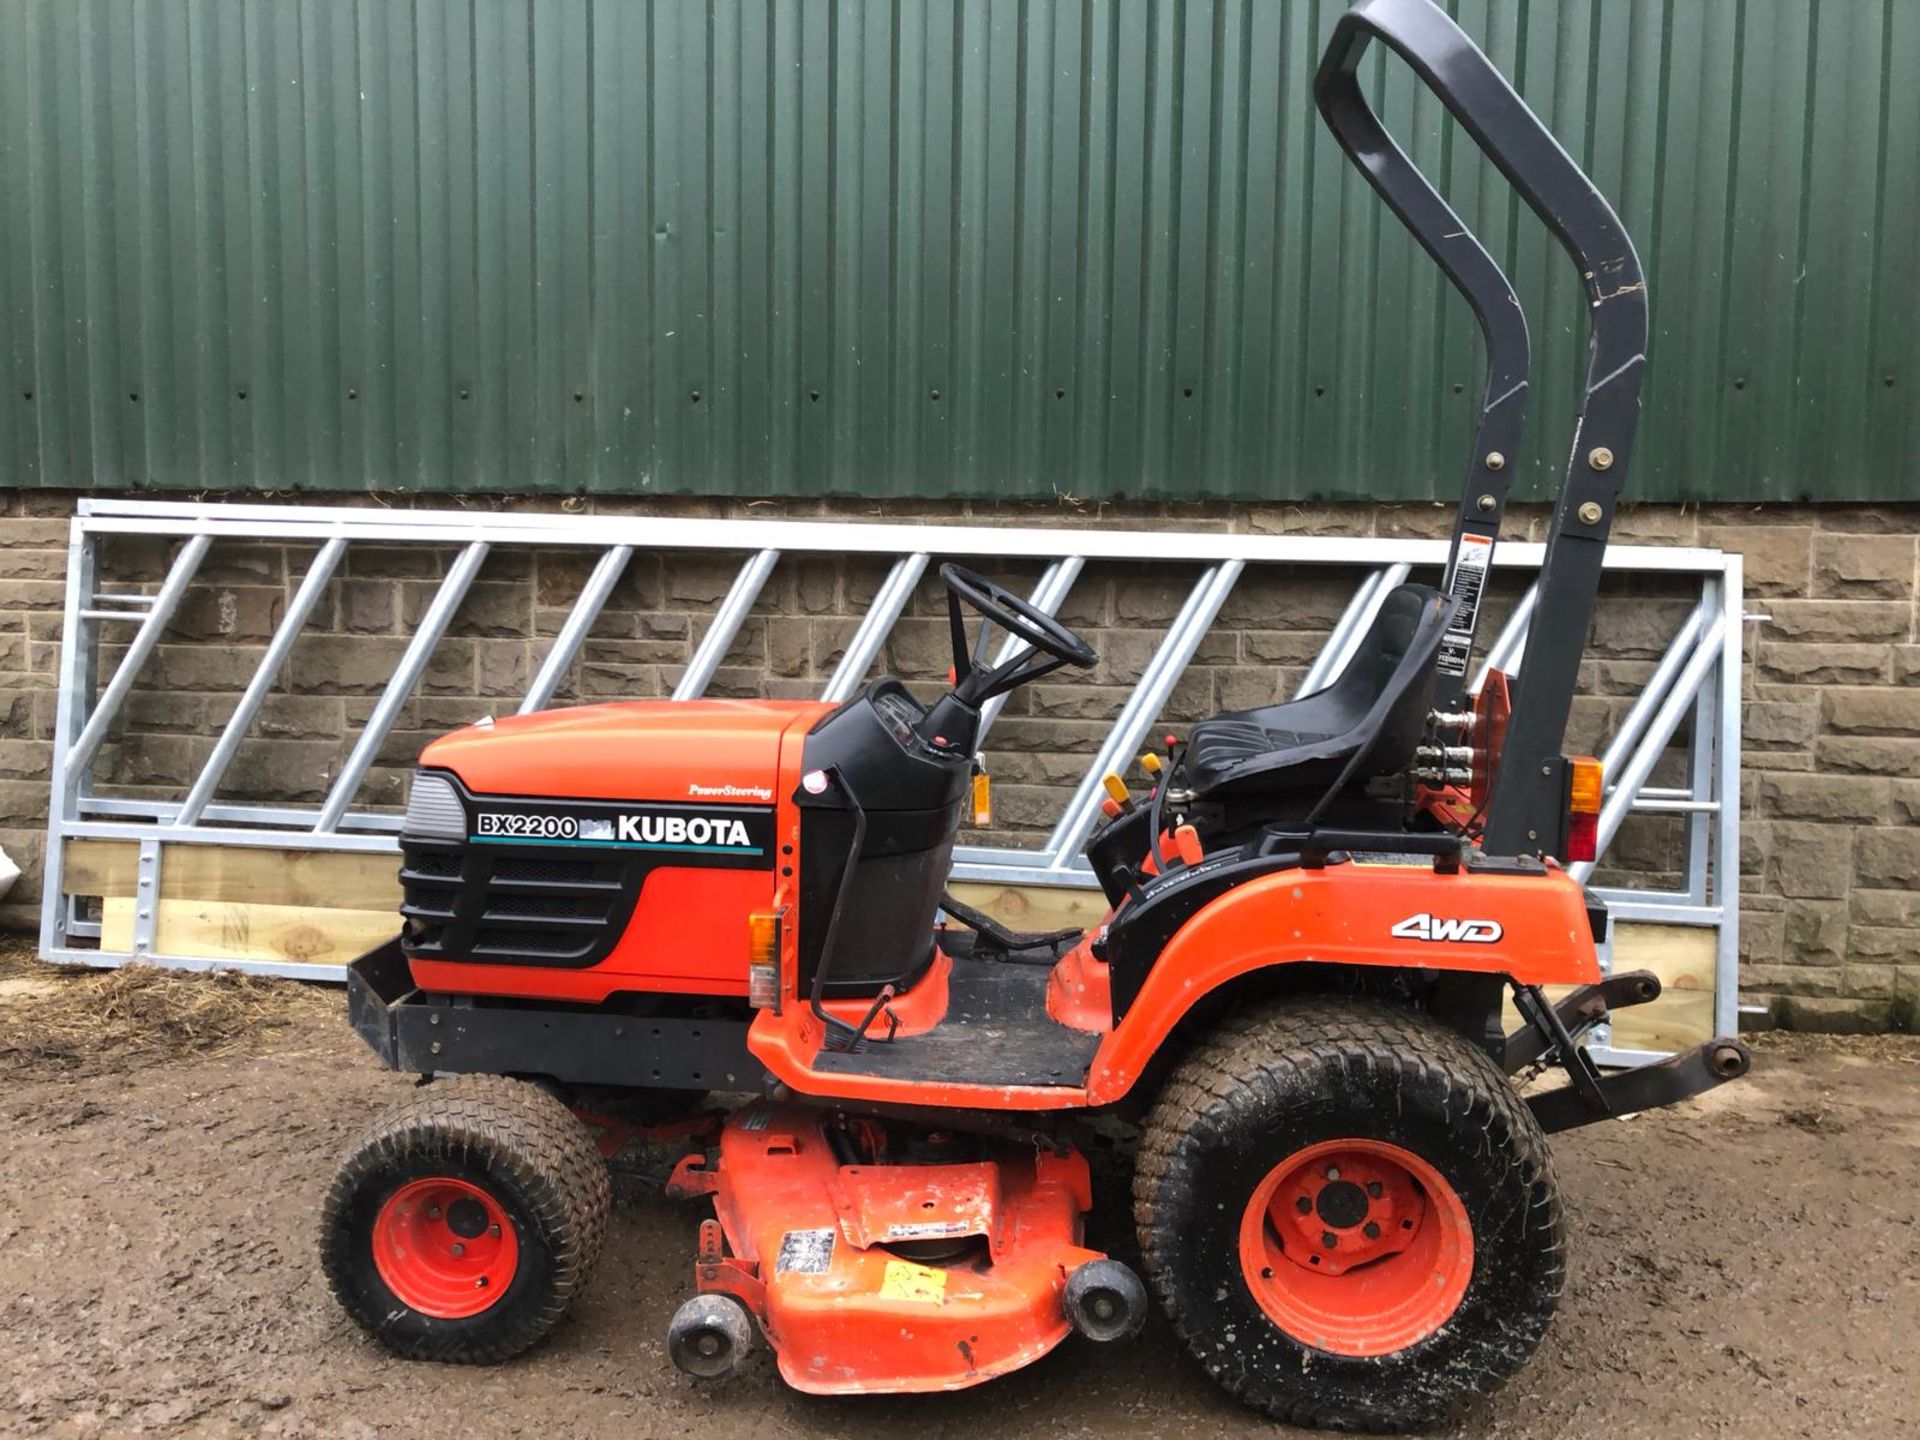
(1529, 799)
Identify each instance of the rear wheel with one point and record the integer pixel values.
(1350, 1215)
(464, 1223)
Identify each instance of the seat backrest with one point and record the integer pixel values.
(1377, 697)
(1396, 631)
(1367, 722)
(1395, 662)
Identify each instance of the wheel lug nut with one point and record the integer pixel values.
(1373, 1189)
(433, 1212)
(493, 1231)
(1372, 1231)
(458, 1248)
(1329, 1239)
(1333, 1172)
(481, 1283)
(1303, 1205)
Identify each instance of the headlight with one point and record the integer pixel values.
(434, 808)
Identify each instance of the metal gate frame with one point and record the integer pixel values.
(1699, 672)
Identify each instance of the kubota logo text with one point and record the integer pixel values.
(1432, 927)
(649, 831)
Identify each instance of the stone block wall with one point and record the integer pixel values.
(1831, 824)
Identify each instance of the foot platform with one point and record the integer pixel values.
(996, 1032)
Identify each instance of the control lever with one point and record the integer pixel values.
(1186, 842)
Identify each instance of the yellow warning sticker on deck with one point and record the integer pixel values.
(904, 1280)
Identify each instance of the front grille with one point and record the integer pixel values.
(435, 864)
(539, 867)
(496, 904)
(526, 881)
(548, 907)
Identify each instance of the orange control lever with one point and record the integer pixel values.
(1187, 841)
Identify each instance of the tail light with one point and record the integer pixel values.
(763, 959)
(1586, 793)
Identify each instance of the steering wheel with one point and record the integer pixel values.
(1017, 616)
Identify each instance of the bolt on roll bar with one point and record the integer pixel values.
(1529, 798)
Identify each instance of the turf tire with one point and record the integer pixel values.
(530, 1154)
(1271, 1082)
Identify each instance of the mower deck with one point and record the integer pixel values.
(996, 1031)
(872, 1278)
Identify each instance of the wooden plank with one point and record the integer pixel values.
(100, 867)
(223, 930)
(1683, 956)
(1035, 907)
(243, 874)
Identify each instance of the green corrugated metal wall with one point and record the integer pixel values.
(980, 247)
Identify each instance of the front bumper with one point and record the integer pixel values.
(414, 1032)
(376, 984)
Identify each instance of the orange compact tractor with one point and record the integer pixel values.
(1292, 1007)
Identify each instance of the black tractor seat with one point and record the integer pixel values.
(1370, 718)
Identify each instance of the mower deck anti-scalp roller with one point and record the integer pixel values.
(708, 944)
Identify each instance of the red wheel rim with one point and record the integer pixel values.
(1356, 1247)
(445, 1247)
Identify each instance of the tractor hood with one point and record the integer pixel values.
(662, 750)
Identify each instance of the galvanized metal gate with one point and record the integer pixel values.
(1698, 676)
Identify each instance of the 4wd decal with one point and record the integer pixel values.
(1435, 928)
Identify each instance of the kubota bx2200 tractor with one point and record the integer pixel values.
(1344, 1206)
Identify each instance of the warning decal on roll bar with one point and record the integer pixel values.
(1469, 580)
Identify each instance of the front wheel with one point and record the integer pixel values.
(465, 1222)
(1350, 1215)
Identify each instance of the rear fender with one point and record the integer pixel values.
(1533, 928)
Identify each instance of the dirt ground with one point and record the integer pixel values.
(1748, 1265)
